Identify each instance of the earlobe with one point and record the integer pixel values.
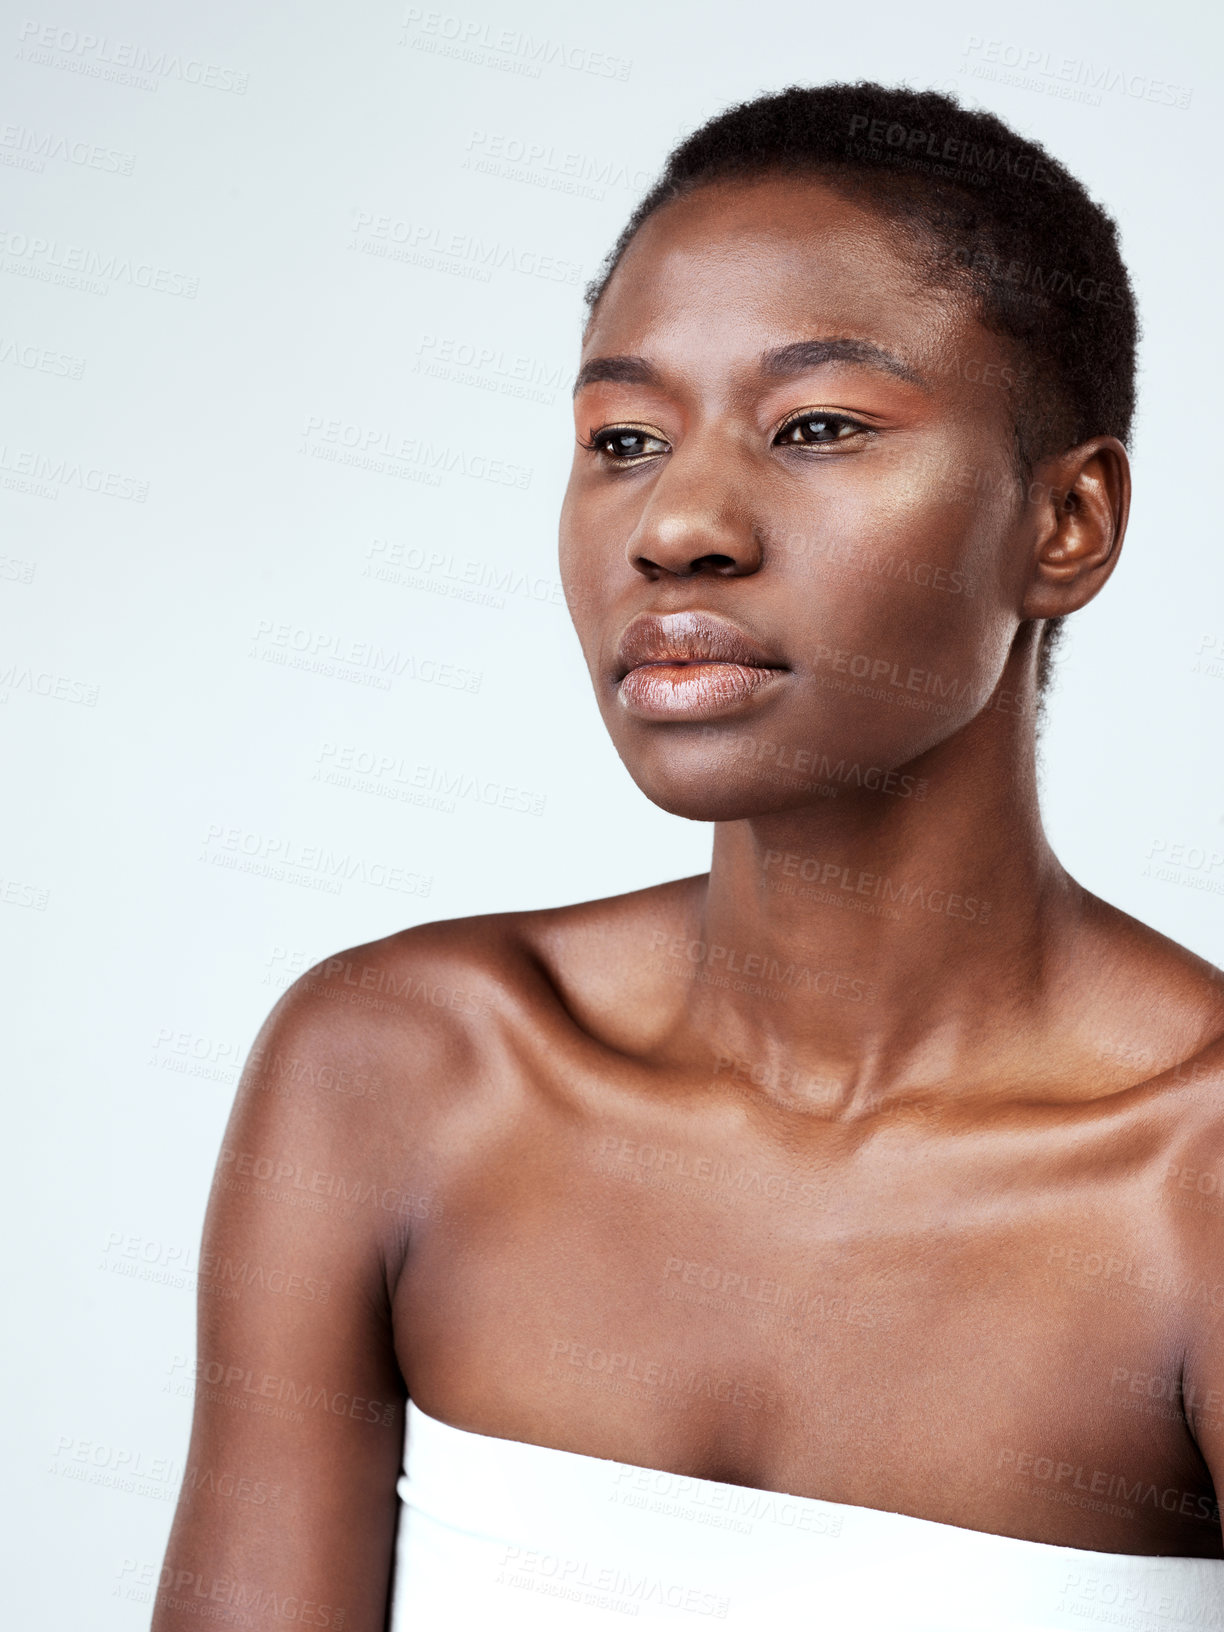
(1084, 497)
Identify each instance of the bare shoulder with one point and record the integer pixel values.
(380, 1030)
(1143, 1000)
(437, 998)
(1166, 1007)
(1190, 1220)
(1159, 1015)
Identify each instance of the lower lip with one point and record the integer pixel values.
(691, 691)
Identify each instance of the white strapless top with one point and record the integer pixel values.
(504, 1537)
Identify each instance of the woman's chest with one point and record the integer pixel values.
(895, 1328)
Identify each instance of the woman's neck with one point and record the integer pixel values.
(893, 940)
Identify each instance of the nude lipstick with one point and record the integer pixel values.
(689, 666)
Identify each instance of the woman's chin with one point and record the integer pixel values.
(719, 800)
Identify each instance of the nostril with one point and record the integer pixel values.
(709, 566)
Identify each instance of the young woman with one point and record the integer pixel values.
(820, 1238)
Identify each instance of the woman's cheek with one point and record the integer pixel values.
(891, 602)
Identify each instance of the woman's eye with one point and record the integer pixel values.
(815, 428)
(624, 443)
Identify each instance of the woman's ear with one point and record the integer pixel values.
(1083, 499)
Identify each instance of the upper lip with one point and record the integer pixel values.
(688, 637)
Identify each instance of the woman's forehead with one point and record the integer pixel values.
(731, 267)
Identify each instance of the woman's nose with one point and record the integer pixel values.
(696, 520)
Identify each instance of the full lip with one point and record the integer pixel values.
(681, 638)
(689, 665)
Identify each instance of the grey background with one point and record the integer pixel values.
(293, 229)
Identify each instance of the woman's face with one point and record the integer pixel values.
(795, 534)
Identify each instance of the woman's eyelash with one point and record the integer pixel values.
(828, 428)
(838, 424)
(598, 437)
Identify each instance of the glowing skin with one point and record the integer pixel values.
(862, 1168)
(743, 456)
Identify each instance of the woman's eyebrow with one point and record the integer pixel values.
(622, 370)
(802, 355)
(799, 357)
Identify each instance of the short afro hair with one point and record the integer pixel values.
(988, 212)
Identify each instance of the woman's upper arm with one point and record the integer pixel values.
(288, 1506)
(1197, 1288)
